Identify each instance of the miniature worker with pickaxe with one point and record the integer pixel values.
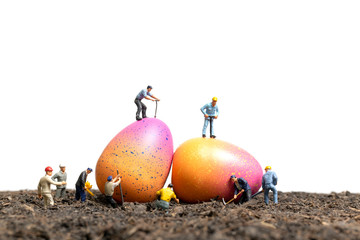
(110, 188)
(241, 187)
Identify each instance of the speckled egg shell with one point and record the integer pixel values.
(202, 168)
(142, 152)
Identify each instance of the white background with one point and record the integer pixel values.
(285, 73)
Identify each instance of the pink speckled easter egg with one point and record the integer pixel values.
(142, 152)
(202, 168)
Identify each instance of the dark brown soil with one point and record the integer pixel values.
(298, 215)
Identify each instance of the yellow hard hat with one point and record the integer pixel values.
(267, 168)
(214, 99)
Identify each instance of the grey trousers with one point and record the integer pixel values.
(162, 204)
(60, 193)
(140, 108)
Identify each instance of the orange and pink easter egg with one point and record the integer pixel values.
(142, 152)
(202, 168)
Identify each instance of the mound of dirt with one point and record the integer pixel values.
(298, 215)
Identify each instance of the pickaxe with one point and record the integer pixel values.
(226, 203)
(254, 195)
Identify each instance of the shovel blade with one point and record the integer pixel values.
(223, 201)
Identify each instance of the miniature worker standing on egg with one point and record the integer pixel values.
(269, 181)
(141, 107)
(60, 176)
(44, 190)
(210, 112)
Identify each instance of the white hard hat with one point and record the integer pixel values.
(61, 165)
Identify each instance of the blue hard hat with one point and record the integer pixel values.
(109, 178)
(89, 169)
(232, 176)
(149, 86)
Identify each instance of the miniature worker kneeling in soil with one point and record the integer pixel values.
(109, 189)
(44, 189)
(269, 181)
(166, 194)
(241, 187)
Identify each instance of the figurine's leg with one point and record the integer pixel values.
(212, 127)
(139, 108)
(206, 123)
(275, 194)
(266, 195)
(143, 107)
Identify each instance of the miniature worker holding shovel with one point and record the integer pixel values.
(44, 189)
(60, 176)
(80, 185)
(166, 194)
(241, 186)
(269, 181)
(210, 112)
(145, 93)
(109, 189)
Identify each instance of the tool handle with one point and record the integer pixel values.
(121, 193)
(156, 108)
(255, 194)
(233, 198)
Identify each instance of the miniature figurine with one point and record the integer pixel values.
(269, 181)
(44, 189)
(109, 189)
(60, 176)
(241, 187)
(165, 194)
(145, 93)
(210, 112)
(80, 185)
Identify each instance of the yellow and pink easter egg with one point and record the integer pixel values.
(202, 168)
(142, 152)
